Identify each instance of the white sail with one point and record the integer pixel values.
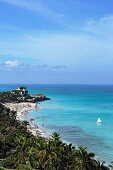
(99, 120)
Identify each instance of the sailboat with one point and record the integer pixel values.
(99, 120)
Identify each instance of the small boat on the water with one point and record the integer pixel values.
(99, 120)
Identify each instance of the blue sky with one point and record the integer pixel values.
(56, 41)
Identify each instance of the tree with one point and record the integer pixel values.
(84, 160)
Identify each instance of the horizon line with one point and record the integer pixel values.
(50, 84)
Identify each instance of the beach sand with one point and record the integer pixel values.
(23, 109)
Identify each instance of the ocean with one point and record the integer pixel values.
(73, 111)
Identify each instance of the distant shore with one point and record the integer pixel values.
(22, 110)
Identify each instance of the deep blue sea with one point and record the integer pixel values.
(73, 111)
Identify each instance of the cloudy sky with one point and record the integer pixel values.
(56, 41)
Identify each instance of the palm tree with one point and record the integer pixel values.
(67, 156)
(84, 160)
(55, 136)
(46, 158)
(50, 156)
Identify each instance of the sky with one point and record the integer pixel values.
(56, 41)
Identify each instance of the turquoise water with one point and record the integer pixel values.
(73, 112)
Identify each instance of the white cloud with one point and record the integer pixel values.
(102, 27)
(12, 64)
(93, 48)
(15, 64)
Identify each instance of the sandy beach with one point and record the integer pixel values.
(23, 109)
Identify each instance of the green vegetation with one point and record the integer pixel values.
(9, 97)
(22, 87)
(21, 95)
(20, 150)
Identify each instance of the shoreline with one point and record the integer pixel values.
(23, 109)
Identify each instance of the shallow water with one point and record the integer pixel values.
(73, 112)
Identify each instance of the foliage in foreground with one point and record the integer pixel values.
(20, 150)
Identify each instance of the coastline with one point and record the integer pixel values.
(23, 109)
